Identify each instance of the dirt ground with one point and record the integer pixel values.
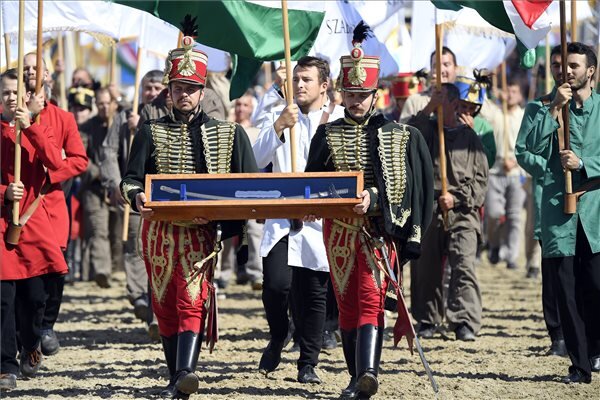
(106, 353)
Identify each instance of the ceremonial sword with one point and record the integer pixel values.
(380, 243)
(255, 194)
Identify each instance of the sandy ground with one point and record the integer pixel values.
(106, 353)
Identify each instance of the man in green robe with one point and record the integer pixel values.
(571, 242)
(535, 165)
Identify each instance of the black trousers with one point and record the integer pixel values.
(277, 282)
(309, 303)
(283, 285)
(332, 313)
(55, 284)
(30, 302)
(550, 300)
(578, 293)
(8, 329)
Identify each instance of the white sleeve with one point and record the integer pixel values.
(270, 100)
(267, 142)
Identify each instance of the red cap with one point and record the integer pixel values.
(186, 64)
(359, 74)
(405, 84)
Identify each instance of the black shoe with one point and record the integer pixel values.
(329, 341)
(169, 391)
(426, 331)
(141, 308)
(494, 256)
(595, 361)
(295, 348)
(50, 343)
(577, 377)
(558, 348)
(188, 350)
(8, 381)
(307, 374)
(102, 281)
(511, 266)
(271, 357)
(532, 273)
(349, 348)
(186, 382)
(464, 333)
(30, 362)
(369, 342)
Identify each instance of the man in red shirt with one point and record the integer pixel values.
(29, 265)
(75, 162)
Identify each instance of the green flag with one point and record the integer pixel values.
(526, 19)
(252, 33)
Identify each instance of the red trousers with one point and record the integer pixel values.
(178, 294)
(359, 284)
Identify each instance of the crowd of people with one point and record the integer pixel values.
(322, 280)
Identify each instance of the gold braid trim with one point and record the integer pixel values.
(161, 266)
(173, 148)
(371, 261)
(188, 258)
(218, 146)
(349, 148)
(128, 187)
(341, 253)
(392, 152)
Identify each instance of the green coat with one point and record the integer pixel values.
(486, 133)
(533, 163)
(558, 230)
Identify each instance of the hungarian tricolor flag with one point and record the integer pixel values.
(528, 20)
(251, 30)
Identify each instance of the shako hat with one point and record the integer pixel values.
(186, 64)
(473, 90)
(359, 73)
(81, 96)
(406, 84)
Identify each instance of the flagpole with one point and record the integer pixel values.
(61, 76)
(570, 202)
(505, 141)
(440, 115)
(268, 73)
(288, 75)
(573, 21)
(136, 103)
(549, 78)
(39, 69)
(113, 64)
(7, 49)
(20, 90)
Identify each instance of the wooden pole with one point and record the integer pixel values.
(136, 103)
(288, 75)
(61, 77)
(440, 113)
(505, 132)
(39, 69)
(20, 91)
(549, 79)
(570, 202)
(113, 63)
(7, 49)
(268, 73)
(573, 21)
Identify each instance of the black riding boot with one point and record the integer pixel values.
(349, 347)
(170, 349)
(188, 350)
(369, 343)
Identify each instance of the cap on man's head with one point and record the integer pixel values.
(406, 84)
(470, 89)
(186, 64)
(81, 96)
(359, 73)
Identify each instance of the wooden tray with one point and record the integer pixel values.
(183, 197)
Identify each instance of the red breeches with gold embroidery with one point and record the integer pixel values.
(178, 294)
(359, 284)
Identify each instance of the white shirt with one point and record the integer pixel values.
(305, 247)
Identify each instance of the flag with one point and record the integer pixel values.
(475, 42)
(251, 31)
(335, 36)
(528, 20)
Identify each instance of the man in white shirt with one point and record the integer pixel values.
(294, 260)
